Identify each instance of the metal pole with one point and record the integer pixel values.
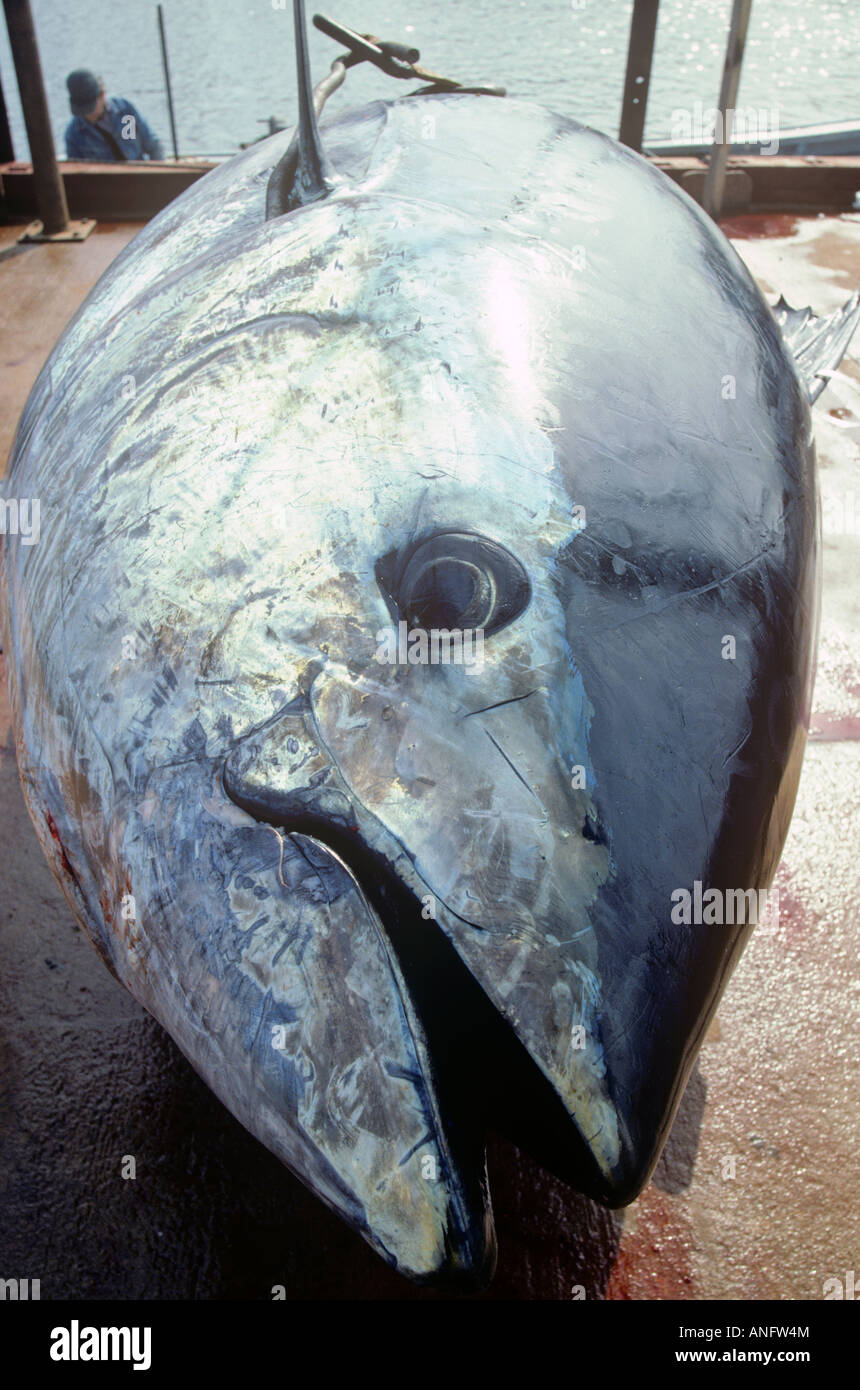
(640, 51)
(7, 149)
(166, 66)
(50, 193)
(715, 179)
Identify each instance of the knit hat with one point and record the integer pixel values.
(84, 91)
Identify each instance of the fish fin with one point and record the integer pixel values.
(817, 344)
(314, 177)
(302, 174)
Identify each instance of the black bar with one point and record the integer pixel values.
(7, 149)
(640, 51)
(198, 1341)
(166, 66)
(50, 194)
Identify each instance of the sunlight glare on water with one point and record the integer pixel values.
(232, 62)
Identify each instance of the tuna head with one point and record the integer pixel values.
(430, 597)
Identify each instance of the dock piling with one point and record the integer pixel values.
(7, 149)
(715, 180)
(50, 194)
(640, 52)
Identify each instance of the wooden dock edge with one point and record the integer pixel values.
(131, 192)
(135, 192)
(773, 183)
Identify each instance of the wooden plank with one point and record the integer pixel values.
(131, 192)
(779, 183)
(736, 192)
(118, 193)
(41, 286)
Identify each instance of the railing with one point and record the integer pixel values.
(640, 54)
(643, 27)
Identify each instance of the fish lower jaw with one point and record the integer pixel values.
(483, 1073)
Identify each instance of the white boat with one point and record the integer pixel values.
(828, 138)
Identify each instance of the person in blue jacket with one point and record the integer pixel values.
(105, 129)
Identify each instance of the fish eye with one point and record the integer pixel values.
(454, 579)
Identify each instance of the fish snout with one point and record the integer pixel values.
(480, 856)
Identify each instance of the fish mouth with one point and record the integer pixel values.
(481, 1074)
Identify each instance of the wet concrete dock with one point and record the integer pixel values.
(754, 1197)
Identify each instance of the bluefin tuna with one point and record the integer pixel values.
(464, 366)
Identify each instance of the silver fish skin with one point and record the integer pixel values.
(376, 904)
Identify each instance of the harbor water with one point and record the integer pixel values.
(232, 60)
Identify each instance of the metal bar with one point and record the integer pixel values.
(164, 63)
(395, 59)
(7, 149)
(640, 51)
(359, 45)
(715, 182)
(50, 194)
